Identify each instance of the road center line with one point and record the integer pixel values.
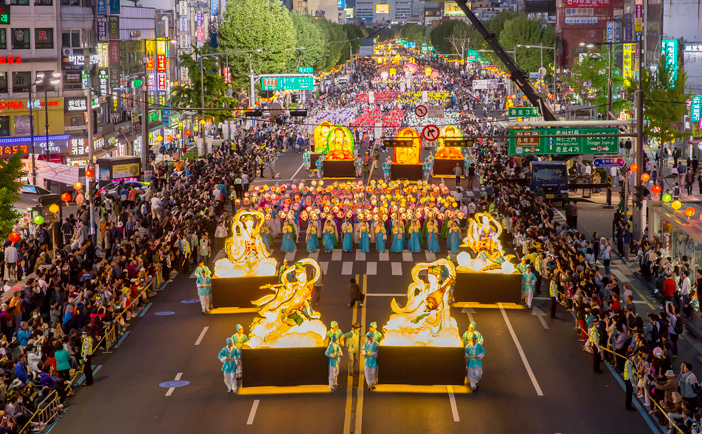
(202, 335)
(454, 408)
(172, 389)
(521, 352)
(349, 381)
(361, 376)
(298, 169)
(252, 414)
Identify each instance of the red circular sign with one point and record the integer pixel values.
(599, 149)
(431, 133)
(420, 111)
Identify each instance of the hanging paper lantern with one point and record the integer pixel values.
(54, 208)
(666, 198)
(38, 219)
(78, 185)
(14, 237)
(645, 177)
(89, 173)
(634, 168)
(187, 133)
(689, 211)
(66, 197)
(169, 138)
(656, 189)
(676, 205)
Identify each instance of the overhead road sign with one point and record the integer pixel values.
(430, 133)
(287, 82)
(523, 112)
(608, 162)
(563, 141)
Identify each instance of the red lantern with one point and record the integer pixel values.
(169, 138)
(89, 173)
(689, 211)
(187, 133)
(656, 189)
(14, 237)
(634, 168)
(645, 177)
(78, 185)
(66, 197)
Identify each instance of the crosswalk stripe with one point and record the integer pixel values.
(360, 256)
(620, 276)
(347, 269)
(324, 266)
(314, 255)
(290, 256)
(336, 255)
(385, 256)
(371, 268)
(431, 256)
(397, 268)
(407, 256)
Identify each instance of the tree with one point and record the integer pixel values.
(10, 171)
(335, 47)
(216, 90)
(589, 81)
(257, 25)
(664, 104)
(413, 32)
(521, 30)
(314, 40)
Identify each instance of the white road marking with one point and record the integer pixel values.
(538, 312)
(314, 255)
(385, 256)
(347, 269)
(360, 256)
(192, 276)
(336, 255)
(324, 266)
(521, 352)
(172, 389)
(202, 335)
(559, 216)
(468, 311)
(620, 276)
(547, 298)
(386, 294)
(454, 408)
(407, 256)
(290, 256)
(298, 169)
(252, 414)
(371, 268)
(397, 268)
(431, 256)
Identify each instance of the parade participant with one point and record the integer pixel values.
(415, 240)
(364, 243)
(202, 269)
(204, 292)
(398, 237)
(334, 353)
(320, 166)
(453, 240)
(312, 241)
(228, 356)
(474, 363)
(329, 236)
(370, 361)
(386, 169)
(468, 335)
(239, 339)
(288, 244)
(86, 353)
(358, 165)
(426, 169)
(282, 269)
(267, 237)
(528, 282)
(306, 159)
(432, 237)
(352, 341)
(347, 230)
(380, 238)
(553, 294)
(373, 328)
(334, 331)
(355, 294)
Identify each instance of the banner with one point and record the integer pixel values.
(586, 3)
(56, 172)
(115, 7)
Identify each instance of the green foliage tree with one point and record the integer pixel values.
(665, 101)
(216, 90)
(354, 34)
(310, 36)
(257, 25)
(521, 30)
(589, 81)
(413, 32)
(335, 47)
(10, 171)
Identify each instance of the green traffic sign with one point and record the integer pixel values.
(523, 112)
(307, 70)
(289, 82)
(532, 142)
(472, 56)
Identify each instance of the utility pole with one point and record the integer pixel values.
(638, 213)
(202, 98)
(609, 83)
(31, 134)
(145, 119)
(89, 182)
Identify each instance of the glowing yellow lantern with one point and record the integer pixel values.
(54, 208)
(645, 177)
(676, 205)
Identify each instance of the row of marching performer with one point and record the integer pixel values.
(410, 235)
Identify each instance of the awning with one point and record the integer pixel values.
(127, 138)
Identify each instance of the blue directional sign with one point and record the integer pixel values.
(608, 162)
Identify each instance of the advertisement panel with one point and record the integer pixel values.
(113, 27)
(628, 28)
(628, 61)
(581, 20)
(125, 170)
(696, 109)
(382, 9)
(669, 49)
(451, 9)
(102, 29)
(102, 8)
(586, 3)
(115, 7)
(114, 52)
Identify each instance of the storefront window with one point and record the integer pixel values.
(21, 81)
(19, 2)
(4, 126)
(3, 39)
(3, 82)
(20, 39)
(44, 38)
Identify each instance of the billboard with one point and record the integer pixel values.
(382, 9)
(451, 9)
(669, 49)
(586, 3)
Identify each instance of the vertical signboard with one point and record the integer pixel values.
(115, 7)
(628, 61)
(101, 8)
(669, 48)
(113, 27)
(114, 52)
(695, 109)
(628, 28)
(610, 32)
(102, 29)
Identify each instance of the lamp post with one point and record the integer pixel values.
(609, 69)
(55, 80)
(542, 48)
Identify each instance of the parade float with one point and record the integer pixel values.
(286, 339)
(421, 341)
(447, 155)
(319, 137)
(406, 164)
(338, 162)
(247, 265)
(486, 275)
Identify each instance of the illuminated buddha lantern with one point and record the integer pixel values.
(425, 320)
(483, 238)
(246, 252)
(408, 155)
(339, 144)
(320, 137)
(449, 153)
(286, 318)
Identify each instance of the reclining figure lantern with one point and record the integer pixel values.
(286, 316)
(426, 319)
(246, 253)
(483, 238)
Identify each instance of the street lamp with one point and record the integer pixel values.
(54, 80)
(541, 47)
(609, 70)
